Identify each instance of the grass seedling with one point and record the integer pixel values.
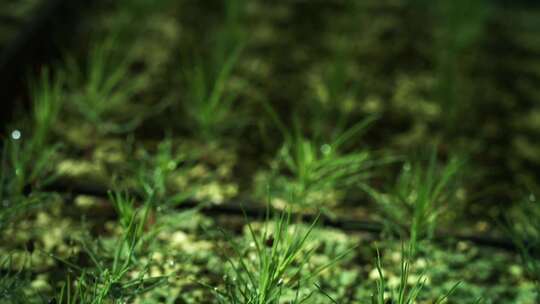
(208, 102)
(27, 156)
(100, 88)
(419, 197)
(307, 167)
(47, 97)
(275, 272)
(23, 166)
(109, 280)
(155, 170)
(404, 293)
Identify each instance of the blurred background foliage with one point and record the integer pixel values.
(459, 75)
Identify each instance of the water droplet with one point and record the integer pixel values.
(407, 167)
(532, 198)
(16, 134)
(326, 149)
(171, 263)
(171, 165)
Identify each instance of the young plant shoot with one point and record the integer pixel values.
(316, 172)
(419, 197)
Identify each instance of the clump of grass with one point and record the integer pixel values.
(100, 90)
(155, 170)
(27, 157)
(47, 95)
(112, 276)
(274, 274)
(27, 153)
(404, 293)
(209, 100)
(208, 103)
(24, 168)
(420, 195)
(310, 169)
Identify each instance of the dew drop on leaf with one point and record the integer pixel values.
(16, 134)
(326, 149)
(407, 167)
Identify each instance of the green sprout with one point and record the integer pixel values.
(27, 157)
(155, 170)
(100, 89)
(26, 153)
(403, 294)
(308, 168)
(276, 271)
(47, 97)
(110, 280)
(23, 166)
(208, 103)
(419, 197)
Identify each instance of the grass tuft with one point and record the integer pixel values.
(270, 269)
(308, 168)
(209, 104)
(154, 171)
(403, 294)
(100, 90)
(116, 276)
(420, 195)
